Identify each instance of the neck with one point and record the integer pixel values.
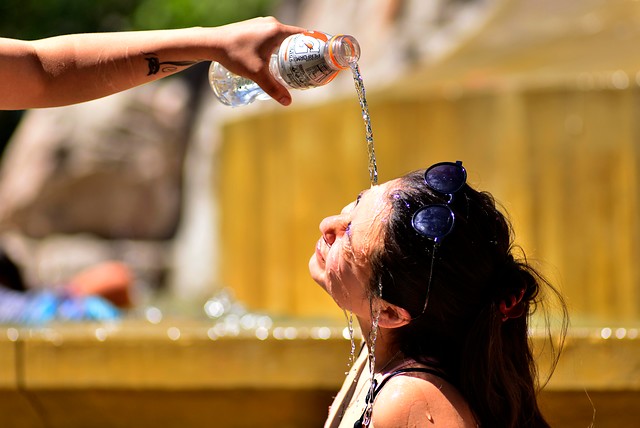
(386, 348)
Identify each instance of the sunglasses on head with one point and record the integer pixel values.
(435, 221)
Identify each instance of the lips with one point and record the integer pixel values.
(319, 245)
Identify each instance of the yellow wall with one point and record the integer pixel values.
(563, 160)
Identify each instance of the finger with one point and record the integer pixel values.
(275, 90)
(292, 29)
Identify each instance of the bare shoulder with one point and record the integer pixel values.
(421, 401)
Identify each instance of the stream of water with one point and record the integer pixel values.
(373, 167)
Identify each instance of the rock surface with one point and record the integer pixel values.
(111, 167)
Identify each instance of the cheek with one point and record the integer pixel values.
(346, 286)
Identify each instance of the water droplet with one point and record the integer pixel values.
(278, 333)
(214, 309)
(212, 334)
(620, 80)
(101, 334)
(262, 333)
(290, 333)
(13, 334)
(322, 333)
(153, 315)
(173, 333)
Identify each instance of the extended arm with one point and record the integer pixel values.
(74, 68)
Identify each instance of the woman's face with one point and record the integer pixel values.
(340, 263)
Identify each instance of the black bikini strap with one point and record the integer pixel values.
(402, 371)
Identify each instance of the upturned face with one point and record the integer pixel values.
(340, 263)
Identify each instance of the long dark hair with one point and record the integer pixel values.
(488, 359)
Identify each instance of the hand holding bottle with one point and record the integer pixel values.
(248, 53)
(304, 60)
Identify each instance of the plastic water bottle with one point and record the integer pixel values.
(303, 61)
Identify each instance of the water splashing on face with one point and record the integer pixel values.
(373, 167)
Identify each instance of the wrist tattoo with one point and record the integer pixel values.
(165, 66)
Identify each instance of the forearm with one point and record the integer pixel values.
(74, 68)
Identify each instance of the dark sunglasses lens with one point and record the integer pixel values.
(433, 221)
(446, 178)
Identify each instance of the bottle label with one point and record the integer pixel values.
(302, 61)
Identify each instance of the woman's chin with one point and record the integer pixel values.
(315, 271)
(320, 282)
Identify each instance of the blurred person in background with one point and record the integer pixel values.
(74, 68)
(98, 293)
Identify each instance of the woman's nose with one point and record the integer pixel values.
(329, 228)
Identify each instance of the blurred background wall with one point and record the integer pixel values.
(539, 99)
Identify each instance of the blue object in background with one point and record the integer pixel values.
(38, 308)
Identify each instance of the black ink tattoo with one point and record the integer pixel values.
(166, 66)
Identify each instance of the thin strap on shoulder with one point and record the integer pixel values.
(376, 388)
(403, 371)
